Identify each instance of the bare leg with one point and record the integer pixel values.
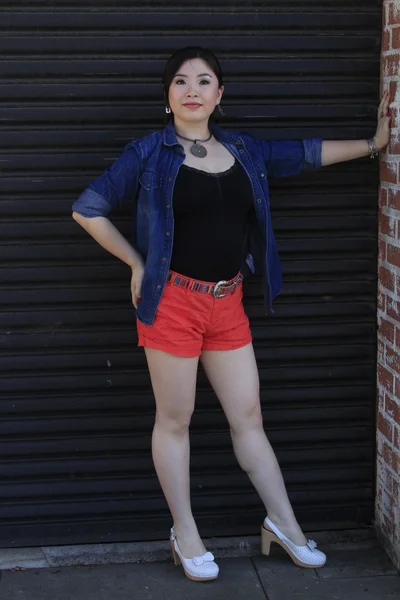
(174, 384)
(234, 377)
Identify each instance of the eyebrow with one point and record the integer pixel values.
(201, 75)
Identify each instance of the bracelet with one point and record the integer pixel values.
(372, 149)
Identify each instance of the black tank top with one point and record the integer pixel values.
(210, 214)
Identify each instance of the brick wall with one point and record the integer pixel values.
(388, 408)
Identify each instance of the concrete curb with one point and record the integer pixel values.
(135, 552)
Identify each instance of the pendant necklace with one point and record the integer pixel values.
(197, 149)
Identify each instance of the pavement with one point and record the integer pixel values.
(357, 568)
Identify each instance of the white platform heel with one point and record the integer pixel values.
(304, 556)
(198, 568)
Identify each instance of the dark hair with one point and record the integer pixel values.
(179, 57)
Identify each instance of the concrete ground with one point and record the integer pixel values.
(356, 568)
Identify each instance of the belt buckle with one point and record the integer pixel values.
(216, 294)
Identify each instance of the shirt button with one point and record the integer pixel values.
(169, 178)
(159, 287)
(168, 206)
(168, 233)
(164, 258)
(238, 143)
(259, 200)
(241, 150)
(262, 174)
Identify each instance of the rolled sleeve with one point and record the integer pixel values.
(91, 204)
(114, 188)
(290, 157)
(313, 152)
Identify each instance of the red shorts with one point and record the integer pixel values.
(189, 321)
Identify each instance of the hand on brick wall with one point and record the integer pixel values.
(382, 135)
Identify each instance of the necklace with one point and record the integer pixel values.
(197, 149)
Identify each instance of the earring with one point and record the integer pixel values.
(168, 110)
(221, 112)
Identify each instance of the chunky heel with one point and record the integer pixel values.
(198, 568)
(266, 539)
(175, 557)
(303, 556)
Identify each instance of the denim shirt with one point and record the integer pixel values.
(144, 175)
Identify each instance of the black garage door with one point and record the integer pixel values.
(78, 81)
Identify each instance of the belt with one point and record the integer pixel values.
(218, 290)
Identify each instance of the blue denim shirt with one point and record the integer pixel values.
(144, 175)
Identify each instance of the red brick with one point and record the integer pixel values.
(393, 359)
(394, 146)
(393, 89)
(386, 452)
(387, 330)
(387, 224)
(392, 409)
(393, 16)
(386, 278)
(395, 37)
(388, 171)
(396, 437)
(395, 117)
(393, 255)
(392, 308)
(385, 378)
(396, 463)
(393, 198)
(383, 197)
(391, 64)
(386, 40)
(396, 492)
(385, 426)
(397, 387)
(397, 337)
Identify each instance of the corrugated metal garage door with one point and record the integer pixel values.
(78, 81)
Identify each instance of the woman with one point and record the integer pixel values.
(202, 223)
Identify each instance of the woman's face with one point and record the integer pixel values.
(194, 92)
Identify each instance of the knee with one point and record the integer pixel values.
(175, 422)
(251, 419)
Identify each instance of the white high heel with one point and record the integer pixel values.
(304, 556)
(198, 568)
